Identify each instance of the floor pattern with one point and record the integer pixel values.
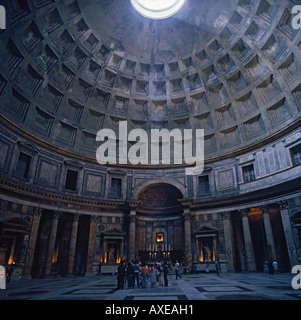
(228, 286)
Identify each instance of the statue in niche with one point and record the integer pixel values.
(112, 252)
(207, 251)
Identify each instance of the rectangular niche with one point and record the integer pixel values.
(62, 76)
(210, 143)
(247, 104)
(121, 105)
(115, 60)
(241, 50)
(179, 106)
(88, 142)
(226, 36)
(254, 127)
(142, 87)
(237, 83)
(52, 98)
(103, 53)
(210, 74)
(18, 106)
(174, 67)
(12, 56)
(290, 69)
(285, 25)
(73, 10)
(159, 69)
(296, 93)
(199, 103)
(279, 112)
(274, 48)
(158, 110)
(124, 84)
(52, 20)
(130, 66)
(215, 48)
(268, 90)
(48, 173)
(255, 32)
(226, 63)
(194, 81)
(204, 121)
(225, 116)
(94, 119)
(139, 108)
(81, 27)
(31, 37)
(176, 85)
(91, 42)
(266, 11)
(65, 41)
(42, 122)
(144, 69)
(256, 69)
(108, 77)
(181, 123)
(202, 58)
(230, 137)
(217, 95)
(94, 183)
(74, 111)
(159, 88)
(84, 89)
(46, 59)
(187, 64)
(93, 69)
(67, 134)
(77, 58)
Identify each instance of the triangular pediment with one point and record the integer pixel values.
(113, 231)
(206, 229)
(28, 146)
(73, 163)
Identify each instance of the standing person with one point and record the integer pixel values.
(136, 270)
(153, 276)
(130, 276)
(144, 272)
(165, 271)
(177, 269)
(121, 276)
(275, 267)
(217, 267)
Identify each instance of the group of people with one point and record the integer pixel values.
(136, 274)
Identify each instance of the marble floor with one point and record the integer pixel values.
(227, 286)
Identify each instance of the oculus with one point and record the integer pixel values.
(157, 9)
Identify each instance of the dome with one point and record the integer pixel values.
(72, 68)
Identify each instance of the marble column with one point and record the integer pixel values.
(37, 213)
(91, 245)
(72, 245)
(248, 240)
(132, 236)
(51, 242)
(187, 235)
(287, 228)
(268, 232)
(228, 240)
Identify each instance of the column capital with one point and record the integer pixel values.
(93, 218)
(132, 218)
(283, 204)
(133, 204)
(187, 215)
(264, 209)
(186, 203)
(226, 215)
(37, 211)
(75, 217)
(244, 212)
(57, 214)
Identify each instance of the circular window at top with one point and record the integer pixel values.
(157, 9)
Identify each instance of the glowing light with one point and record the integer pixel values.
(157, 9)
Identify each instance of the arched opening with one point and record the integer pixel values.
(13, 233)
(160, 232)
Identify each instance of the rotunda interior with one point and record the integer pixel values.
(74, 68)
